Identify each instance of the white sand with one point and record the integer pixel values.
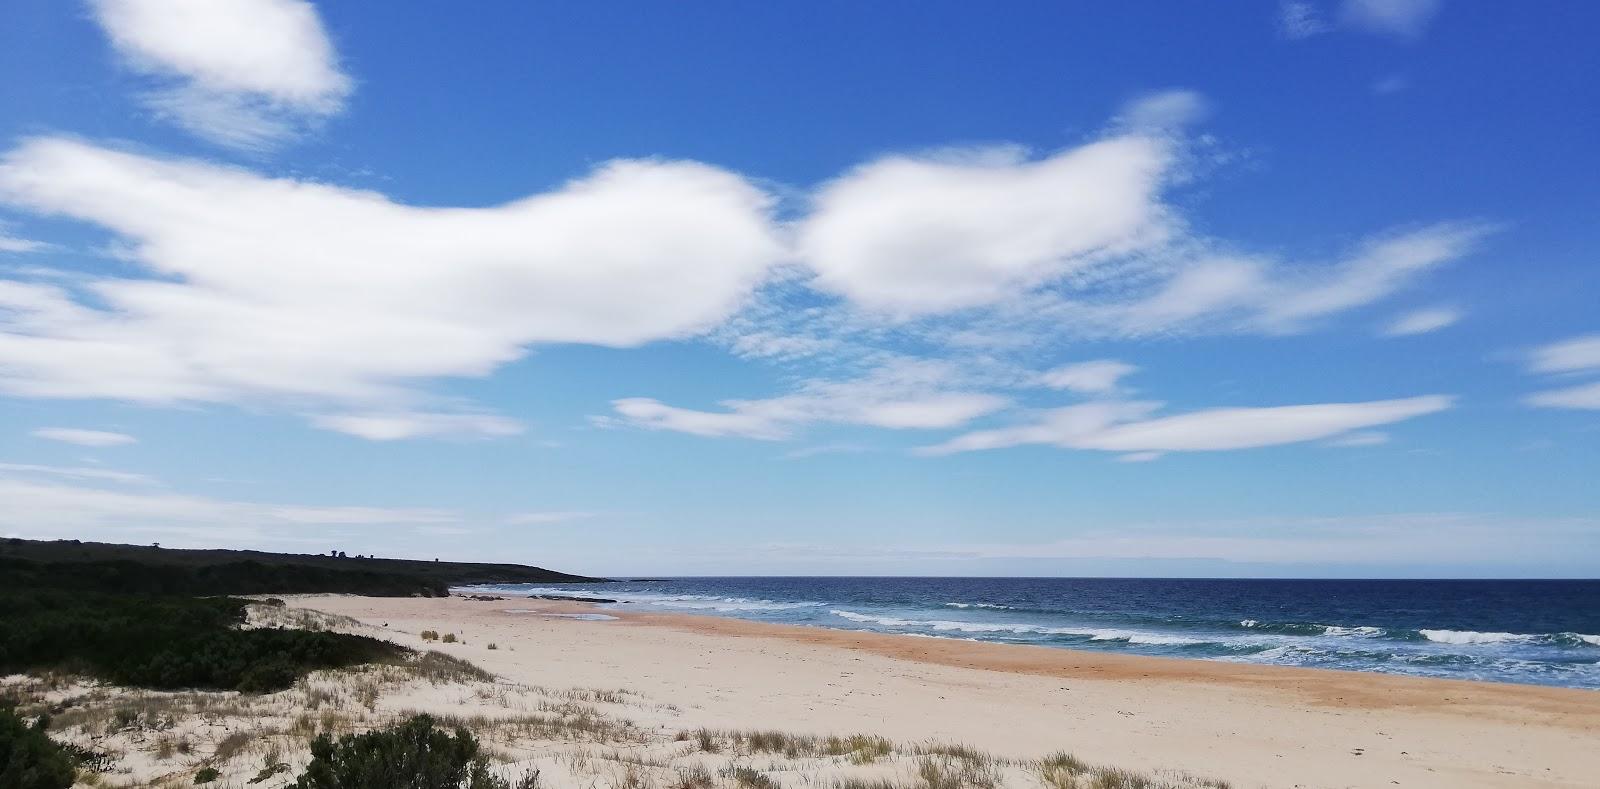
(1253, 725)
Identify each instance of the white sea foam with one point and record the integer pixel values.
(947, 625)
(1288, 652)
(584, 617)
(1362, 631)
(1474, 637)
(1248, 623)
(980, 605)
(1134, 637)
(1588, 639)
(694, 602)
(725, 604)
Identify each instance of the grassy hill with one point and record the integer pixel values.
(143, 569)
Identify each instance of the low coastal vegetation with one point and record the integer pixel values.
(413, 754)
(29, 759)
(151, 569)
(168, 642)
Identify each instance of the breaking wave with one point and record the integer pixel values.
(948, 625)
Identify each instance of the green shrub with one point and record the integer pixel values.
(412, 755)
(449, 638)
(131, 577)
(28, 758)
(206, 775)
(430, 635)
(168, 642)
(750, 778)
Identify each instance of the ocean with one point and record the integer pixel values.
(1538, 632)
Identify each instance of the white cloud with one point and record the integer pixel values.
(901, 395)
(345, 305)
(245, 73)
(918, 235)
(1096, 377)
(74, 472)
(87, 438)
(1402, 18)
(1578, 354)
(1586, 397)
(276, 289)
(392, 426)
(1422, 321)
(1163, 112)
(51, 510)
(1128, 427)
(1297, 20)
(20, 245)
(1253, 294)
(739, 421)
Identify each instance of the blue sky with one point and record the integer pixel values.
(1167, 289)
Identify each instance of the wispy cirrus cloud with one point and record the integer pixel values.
(1423, 321)
(1403, 19)
(1575, 356)
(10, 243)
(50, 509)
(1097, 377)
(1254, 294)
(1134, 427)
(242, 73)
(1298, 20)
(1399, 18)
(907, 394)
(1584, 397)
(74, 472)
(404, 424)
(83, 437)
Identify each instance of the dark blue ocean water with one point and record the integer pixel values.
(1541, 632)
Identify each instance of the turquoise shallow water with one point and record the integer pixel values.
(1539, 632)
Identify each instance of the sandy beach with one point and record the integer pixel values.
(1250, 725)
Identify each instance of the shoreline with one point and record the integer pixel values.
(1334, 687)
(1542, 647)
(1251, 724)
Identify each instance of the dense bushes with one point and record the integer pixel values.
(412, 755)
(126, 576)
(150, 569)
(29, 759)
(167, 642)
